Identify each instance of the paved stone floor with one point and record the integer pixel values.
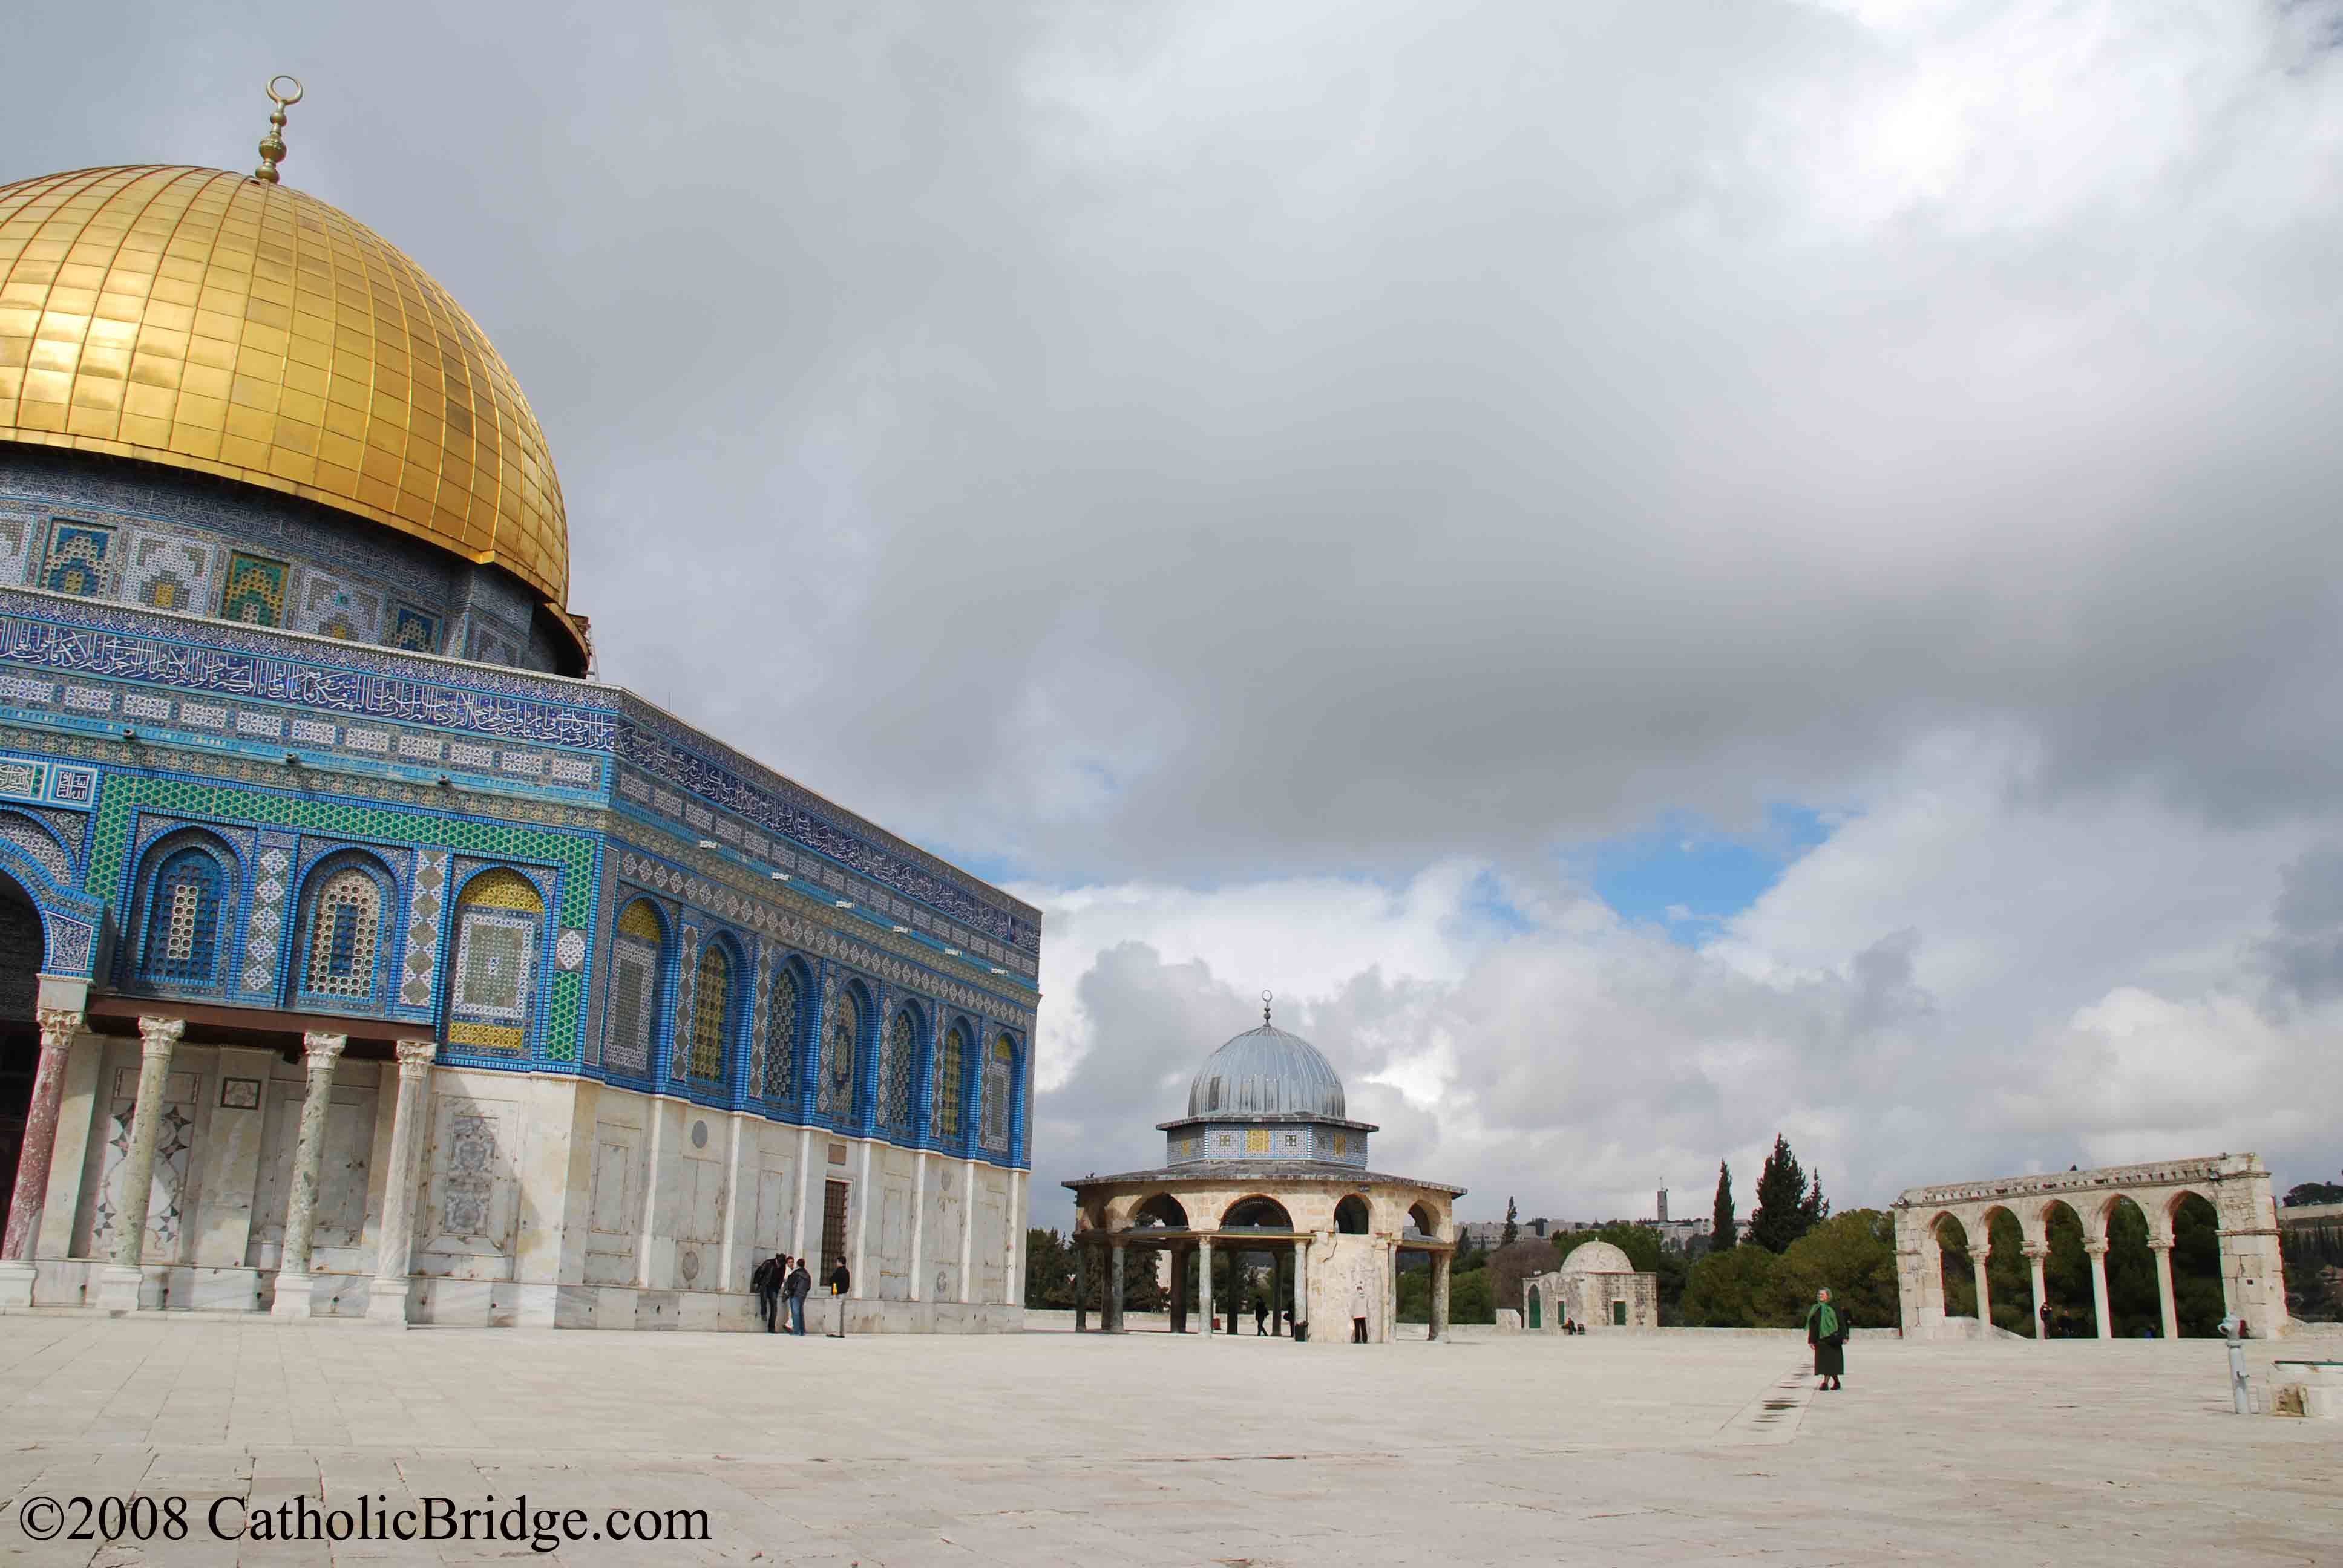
(1674, 1448)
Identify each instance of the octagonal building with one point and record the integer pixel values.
(1267, 1161)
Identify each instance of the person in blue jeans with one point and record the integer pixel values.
(801, 1281)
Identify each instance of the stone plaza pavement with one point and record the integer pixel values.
(1045, 1448)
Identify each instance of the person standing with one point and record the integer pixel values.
(1358, 1311)
(1827, 1331)
(767, 1282)
(801, 1283)
(840, 1282)
(1260, 1316)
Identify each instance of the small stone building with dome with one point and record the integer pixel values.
(1268, 1164)
(1597, 1287)
(359, 955)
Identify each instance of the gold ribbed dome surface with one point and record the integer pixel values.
(208, 321)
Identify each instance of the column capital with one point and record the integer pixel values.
(58, 1026)
(1980, 1255)
(2038, 1253)
(156, 1036)
(324, 1045)
(415, 1055)
(2096, 1249)
(2159, 1243)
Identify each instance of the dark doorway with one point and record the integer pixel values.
(20, 1041)
(833, 1225)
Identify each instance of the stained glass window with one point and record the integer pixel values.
(493, 981)
(897, 1060)
(711, 1011)
(183, 921)
(948, 1068)
(781, 1036)
(344, 919)
(1000, 1067)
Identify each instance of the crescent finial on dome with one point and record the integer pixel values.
(272, 145)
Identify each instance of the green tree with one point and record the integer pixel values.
(1049, 1270)
(1851, 1255)
(1512, 1231)
(1510, 1265)
(1726, 1290)
(1724, 1231)
(1786, 1210)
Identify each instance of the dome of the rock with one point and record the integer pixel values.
(1266, 1071)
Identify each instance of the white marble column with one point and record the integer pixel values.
(1439, 1295)
(2039, 1256)
(1983, 1295)
(2162, 1248)
(1301, 1316)
(1204, 1282)
(967, 1231)
(119, 1286)
(2097, 1252)
(864, 1196)
(58, 1026)
(394, 1250)
(919, 1217)
(805, 1187)
(296, 1294)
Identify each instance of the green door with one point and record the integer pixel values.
(1619, 1314)
(1535, 1321)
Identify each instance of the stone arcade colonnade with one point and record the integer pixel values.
(127, 1285)
(2253, 1283)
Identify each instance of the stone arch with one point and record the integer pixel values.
(1424, 1220)
(1353, 1216)
(1162, 1210)
(342, 948)
(70, 919)
(2204, 1274)
(1258, 1212)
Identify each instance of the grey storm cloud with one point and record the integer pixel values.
(1198, 438)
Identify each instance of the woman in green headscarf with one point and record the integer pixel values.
(1827, 1331)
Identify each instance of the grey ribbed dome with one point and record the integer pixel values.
(1266, 1071)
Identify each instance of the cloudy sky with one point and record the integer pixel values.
(1659, 571)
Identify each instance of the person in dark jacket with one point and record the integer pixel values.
(1827, 1331)
(840, 1282)
(801, 1283)
(1260, 1316)
(766, 1280)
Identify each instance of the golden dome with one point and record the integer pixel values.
(208, 321)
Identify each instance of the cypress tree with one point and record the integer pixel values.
(1723, 1233)
(1781, 1215)
(1513, 1226)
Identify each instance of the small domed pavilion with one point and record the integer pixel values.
(1268, 1160)
(1598, 1286)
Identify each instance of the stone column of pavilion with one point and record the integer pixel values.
(295, 1293)
(1205, 1281)
(1111, 1311)
(2097, 1252)
(1440, 1295)
(121, 1286)
(2162, 1247)
(58, 1026)
(1977, 1257)
(2038, 1255)
(387, 1297)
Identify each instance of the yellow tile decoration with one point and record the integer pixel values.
(212, 322)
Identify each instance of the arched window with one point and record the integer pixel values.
(340, 960)
(948, 1057)
(781, 1035)
(711, 1012)
(494, 979)
(898, 1057)
(999, 1069)
(637, 959)
(835, 1092)
(182, 947)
